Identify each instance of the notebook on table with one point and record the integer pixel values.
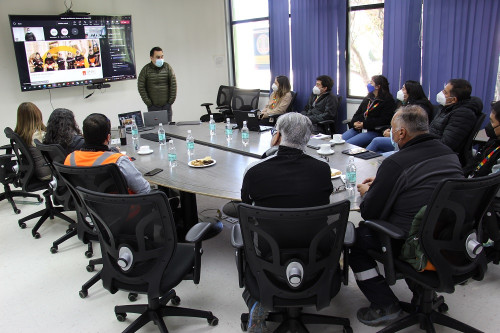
(252, 120)
(125, 120)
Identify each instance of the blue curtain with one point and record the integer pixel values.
(461, 40)
(315, 26)
(279, 38)
(401, 60)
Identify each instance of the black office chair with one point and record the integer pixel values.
(466, 157)
(105, 178)
(448, 236)
(8, 176)
(244, 100)
(273, 118)
(30, 183)
(295, 262)
(141, 254)
(224, 97)
(56, 153)
(328, 126)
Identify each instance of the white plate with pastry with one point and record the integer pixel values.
(335, 173)
(202, 163)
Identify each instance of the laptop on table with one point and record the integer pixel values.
(251, 119)
(154, 118)
(125, 120)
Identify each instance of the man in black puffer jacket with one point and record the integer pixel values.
(458, 116)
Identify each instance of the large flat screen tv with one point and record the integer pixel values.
(60, 51)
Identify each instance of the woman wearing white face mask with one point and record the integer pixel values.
(279, 100)
(374, 111)
(410, 94)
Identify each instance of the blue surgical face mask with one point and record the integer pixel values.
(370, 87)
(159, 62)
(393, 143)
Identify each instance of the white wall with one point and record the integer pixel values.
(191, 33)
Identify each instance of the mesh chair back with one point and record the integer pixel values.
(467, 158)
(454, 213)
(274, 237)
(245, 99)
(224, 96)
(141, 225)
(292, 102)
(26, 173)
(56, 153)
(105, 178)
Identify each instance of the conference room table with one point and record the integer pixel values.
(224, 178)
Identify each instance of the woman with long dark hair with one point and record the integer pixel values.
(411, 93)
(29, 127)
(62, 129)
(376, 109)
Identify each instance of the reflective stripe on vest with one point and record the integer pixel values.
(366, 275)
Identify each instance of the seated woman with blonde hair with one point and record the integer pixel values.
(279, 100)
(30, 127)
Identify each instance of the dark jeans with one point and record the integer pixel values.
(376, 289)
(167, 107)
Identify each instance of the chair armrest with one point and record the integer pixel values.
(236, 237)
(6, 157)
(223, 107)
(207, 104)
(198, 231)
(326, 122)
(237, 243)
(350, 234)
(386, 228)
(346, 121)
(381, 128)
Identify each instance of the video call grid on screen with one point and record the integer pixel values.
(58, 51)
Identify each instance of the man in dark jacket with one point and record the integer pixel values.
(322, 104)
(279, 181)
(459, 114)
(403, 184)
(157, 84)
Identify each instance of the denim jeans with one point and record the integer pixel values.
(360, 139)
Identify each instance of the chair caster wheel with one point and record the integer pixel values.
(214, 321)
(89, 254)
(83, 293)
(69, 230)
(443, 308)
(53, 249)
(132, 297)
(121, 316)
(175, 300)
(90, 268)
(244, 326)
(347, 329)
(17, 211)
(36, 235)
(40, 199)
(22, 225)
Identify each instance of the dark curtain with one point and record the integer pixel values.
(461, 40)
(402, 56)
(315, 27)
(279, 38)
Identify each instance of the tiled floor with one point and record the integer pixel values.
(39, 290)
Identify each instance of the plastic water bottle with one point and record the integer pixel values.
(351, 176)
(135, 135)
(190, 144)
(162, 140)
(245, 135)
(229, 130)
(172, 154)
(211, 125)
